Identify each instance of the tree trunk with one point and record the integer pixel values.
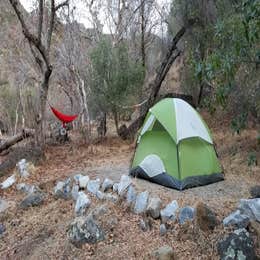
(171, 56)
(39, 129)
(16, 139)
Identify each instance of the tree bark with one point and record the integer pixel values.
(16, 139)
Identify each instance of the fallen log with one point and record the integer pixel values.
(5, 144)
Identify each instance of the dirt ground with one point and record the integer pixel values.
(40, 232)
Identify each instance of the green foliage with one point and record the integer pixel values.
(115, 78)
(251, 159)
(224, 54)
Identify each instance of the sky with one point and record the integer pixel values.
(82, 14)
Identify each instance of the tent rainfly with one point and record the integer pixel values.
(175, 147)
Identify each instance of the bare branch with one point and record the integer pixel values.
(40, 20)
(65, 3)
(50, 27)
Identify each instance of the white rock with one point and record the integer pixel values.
(22, 166)
(83, 181)
(141, 202)
(124, 183)
(26, 188)
(131, 195)
(169, 212)
(154, 207)
(107, 184)
(82, 203)
(3, 205)
(115, 187)
(8, 182)
(251, 208)
(75, 192)
(237, 219)
(100, 195)
(93, 186)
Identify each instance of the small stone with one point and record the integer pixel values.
(237, 245)
(107, 184)
(62, 189)
(236, 219)
(145, 225)
(130, 195)
(93, 186)
(124, 183)
(82, 203)
(186, 214)
(141, 202)
(75, 192)
(26, 188)
(154, 207)
(83, 181)
(251, 208)
(115, 187)
(111, 197)
(98, 212)
(255, 192)
(205, 217)
(76, 178)
(4, 205)
(84, 230)
(164, 253)
(2, 229)
(32, 200)
(100, 195)
(8, 182)
(169, 212)
(22, 166)
(163, 230)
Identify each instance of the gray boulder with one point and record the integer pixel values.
(164, 253)
(237, 245)
(32, 200)
(107, 184)
(251, 208)
(169, 212)
(62, 189)
(124, 183)
(186, 214)
(141, 202)
(75, 192)
(115, 187)
(84, 230)
(93, 186)
(82, 203)
(236, 219)
(255, 192)
(163, 230)
(131, 195)
(154, 207)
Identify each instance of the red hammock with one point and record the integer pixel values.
(62, 117)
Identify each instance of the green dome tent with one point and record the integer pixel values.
(175, 147)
